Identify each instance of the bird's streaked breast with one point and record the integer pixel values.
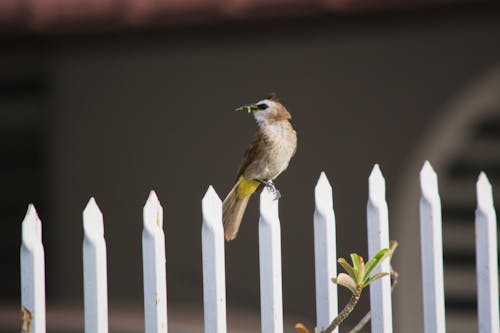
(282, 144)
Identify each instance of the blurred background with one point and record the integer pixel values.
(115, 98)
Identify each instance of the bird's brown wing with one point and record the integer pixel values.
(254, 150)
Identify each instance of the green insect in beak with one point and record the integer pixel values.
(248, 108)
(252, 107)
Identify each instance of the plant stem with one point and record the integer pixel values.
(346, 311)
(368, 316)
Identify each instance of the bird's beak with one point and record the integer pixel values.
(248, 107)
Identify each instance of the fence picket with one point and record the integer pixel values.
(378, 238)
(325, 254)
(32, 274)
(271, 306)
(486, 258)
(431, 251)
(214, 283)
(214, 293)
(95, 286)
(155, 277)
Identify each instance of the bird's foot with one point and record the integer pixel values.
(271, 187)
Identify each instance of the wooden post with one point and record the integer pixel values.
(325, 254)
(378, 238)
(486, 258)
(431, 251)
(95, 285)
(32, 274)
(271, 306)
(153, 257)
(214, 280)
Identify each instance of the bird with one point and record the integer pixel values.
(266, 157)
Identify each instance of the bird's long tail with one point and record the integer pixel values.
(235, 204)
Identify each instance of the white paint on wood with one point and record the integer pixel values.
(486, 258)
(271, 305)
(32, 274)
(95, 286)
(325, 254)
(153, 257)
(95, 276)
(214, 283)
(431, 251)
(378, 238)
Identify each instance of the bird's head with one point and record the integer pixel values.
(267, 110)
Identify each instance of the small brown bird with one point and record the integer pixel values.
(267, 155)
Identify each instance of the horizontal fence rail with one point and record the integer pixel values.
(213, 261)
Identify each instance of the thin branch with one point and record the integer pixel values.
(368, 316)
(345, 312)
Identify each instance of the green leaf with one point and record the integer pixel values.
(345, 280)
(355, 265)
(374, 262)
(359, 268)
(348, 268)
(375, 277)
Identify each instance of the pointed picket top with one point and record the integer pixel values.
(323, 194)
(93, 226)
(376, 186)
(268, 205)
(484, 193)
(154, 272)
(31, 227)
(211, 207)
(378, 238)
(212, 244)
(431, 251)
(95, 283)
(486, 258)
(32, 273)
(324, 254)
(153, 214)
(271, 299)
(429, 182)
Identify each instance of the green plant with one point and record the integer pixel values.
(394, 278)
(359, 276)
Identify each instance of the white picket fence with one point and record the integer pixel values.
(154, 263)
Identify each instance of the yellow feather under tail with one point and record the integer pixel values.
(235, 204)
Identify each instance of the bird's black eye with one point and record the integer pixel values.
(262, 106)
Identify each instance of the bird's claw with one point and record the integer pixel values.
(277, 195)
(272, 188)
